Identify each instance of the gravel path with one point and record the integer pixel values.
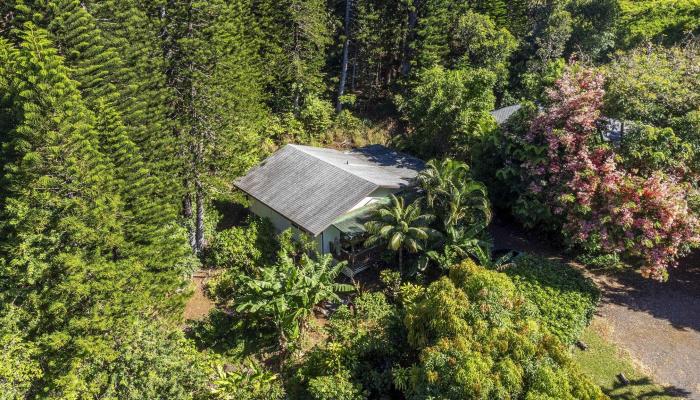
(657, 323)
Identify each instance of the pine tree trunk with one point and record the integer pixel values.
(354, 70)
(344, 63)
(199, 222)
(410, 38)
(187, 205)
(187, 214)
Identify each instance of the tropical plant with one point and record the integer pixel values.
(248, 380)
(459, 244)
(285, 294)
(477, 339)
(438, 175)
(453, 195)
(400, 227)
(467, 204)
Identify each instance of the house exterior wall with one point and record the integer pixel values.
(323, 240)
(330, 235)
(278, 221)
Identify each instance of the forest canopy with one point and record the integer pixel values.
(124, 123)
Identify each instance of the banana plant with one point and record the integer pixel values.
(286, 293)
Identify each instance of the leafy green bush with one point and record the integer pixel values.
(392, 282)
(449, 110)
(362, 342)
(247, 380)
(243, 248)
(317, 116)
(565, 298)
(335, 387)
(596, 260)
(477, 339)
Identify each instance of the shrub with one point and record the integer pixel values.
(392, 282)
(449, 110)
(477, 339)
(243, 248)
(362, 342)
(566, 299)
(571, 181)
(335, 387)
(247, 380)
(317, 116)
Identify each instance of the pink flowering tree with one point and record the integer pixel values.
(598, 205)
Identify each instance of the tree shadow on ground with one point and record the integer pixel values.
(228, 335)
(677, 300)
(643, 389)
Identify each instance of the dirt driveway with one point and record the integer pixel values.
(657, 323)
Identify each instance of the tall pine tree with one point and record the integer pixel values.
(148, 218)
(295, 38)
(59, 230)
(214, 67)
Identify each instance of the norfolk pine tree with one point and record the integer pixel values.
(220, 108)
(59, 231)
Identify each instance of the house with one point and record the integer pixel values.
(611, 130)
(502, 115)
(327, 193)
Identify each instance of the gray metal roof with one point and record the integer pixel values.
(503, 114)
(313, 186)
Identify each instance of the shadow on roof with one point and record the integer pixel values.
(385, 156)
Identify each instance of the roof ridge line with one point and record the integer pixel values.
(300, 148)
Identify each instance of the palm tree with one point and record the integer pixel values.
(436, 176)
(456, 197)
(466, 203)
(400, 227)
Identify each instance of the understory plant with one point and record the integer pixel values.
(285, 294)
(565, 298)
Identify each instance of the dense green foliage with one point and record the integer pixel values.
(285, 294)
(123, 121)
(449, 110)
(658, 21)
(469, 336)
(243, 248)
(565, 298)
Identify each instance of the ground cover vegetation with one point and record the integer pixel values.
(123, 123)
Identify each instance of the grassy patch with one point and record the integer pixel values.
(603, 361)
